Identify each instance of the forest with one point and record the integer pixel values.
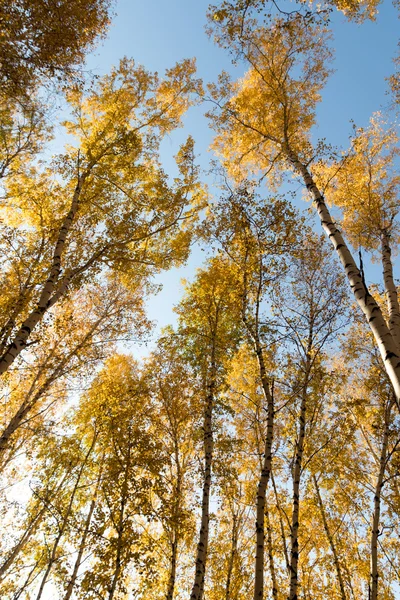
(251, 450)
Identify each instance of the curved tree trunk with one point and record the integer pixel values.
(392, 299)
(48, 294)
(370, 308)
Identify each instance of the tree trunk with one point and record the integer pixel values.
(176, 517)
(121, 527)
(202, 547)
(29, 402)
(330, 540)
(264, 478)
(294, 529)
(49, 288)
(271, 553)
(282, 527)
(371, 310)
(392, 299)
(377, 507)
(68, 512)
(82, 545)
(30, 530)
(172, 573)
(232, 555)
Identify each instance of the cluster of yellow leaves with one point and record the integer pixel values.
(272, 107)
(365, 184)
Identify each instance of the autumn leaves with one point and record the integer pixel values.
(222, 465)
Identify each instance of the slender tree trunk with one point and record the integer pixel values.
(46, 299)
(330, 540)
(370, 308)
(232, 556)
(202, 547)
(176, 524)
(30, 401)
(392, 298)
(254, 334)
(53, 555)
(30, 529)
(121, 527)
(294, 530)
(282, 527)
(82, 545)
(172, 573)
(270, 546)
(264, 478)
(377, 507)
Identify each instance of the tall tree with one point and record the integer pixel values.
(106, 204)
(263, 124)
(207, 321)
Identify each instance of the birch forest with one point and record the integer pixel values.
(249, 450)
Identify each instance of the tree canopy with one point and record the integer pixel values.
(252, 448)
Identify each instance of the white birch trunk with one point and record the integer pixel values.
(392, 299)
(82, 545)
(377, 507)
(264, 479)
(371, 310)
(53, 555)
(202, 547)
(294, 529)
(231, 560)
(121, 527)
(270, 546)
(49, 288)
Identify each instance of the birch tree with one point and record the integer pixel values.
(105, 205)
(207, 321)
(263, 125)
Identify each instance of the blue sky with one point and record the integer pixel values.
(159, 33)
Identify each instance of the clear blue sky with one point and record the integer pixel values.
(159, 33)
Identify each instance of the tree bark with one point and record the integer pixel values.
(271, 554)
(82, 545)
(232, 556)
(294, 530)
(264, 478)
(371, 310)
(377, 507)
(330, 540)
(176, 517)
(282, 527)
(202, 547)
(392, 299)
(49, 288)
(121, 526)
(66, 516)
